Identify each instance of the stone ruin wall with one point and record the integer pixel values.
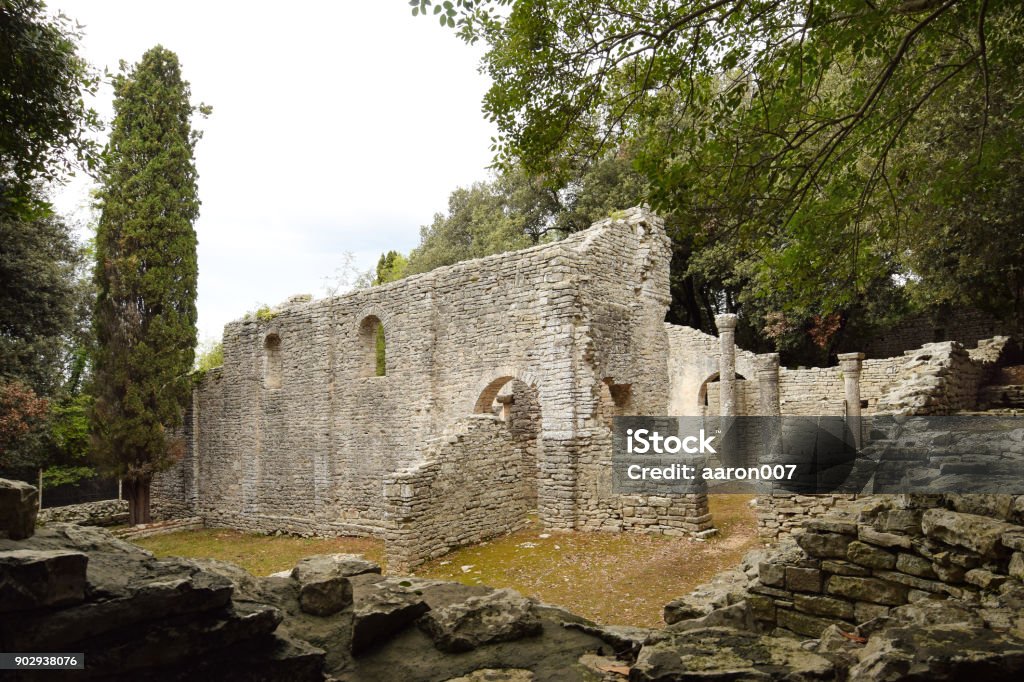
(327, 447)
(296, 433)
(936, 379)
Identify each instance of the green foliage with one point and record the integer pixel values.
(45, 121)
(210, 357)
(381, 351)
(390, 268)
(813, 156)
(69, 440)
(146, 272)
(63, 475)
(42, 301)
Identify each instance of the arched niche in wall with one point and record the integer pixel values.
(373, 347)
(273, 362)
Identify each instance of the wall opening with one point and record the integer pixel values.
(518, 404)
(373, 347)
(273, 363)
(615, 400)
(709, 406)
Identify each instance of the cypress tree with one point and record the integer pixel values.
(146, 273)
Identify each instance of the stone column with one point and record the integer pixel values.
(850, 364)
(768, 383)
(727, 363)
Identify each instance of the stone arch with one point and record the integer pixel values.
(486, 390)
(273, 362)
(702, 393)
(520, 408)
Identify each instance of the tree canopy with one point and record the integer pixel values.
(146, 274)
(45, 120)
(819, 157)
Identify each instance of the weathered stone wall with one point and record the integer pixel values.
(938, 378)
(297, 432)
(898, 550)
(787, 514)
(693, 370)
(470, 487)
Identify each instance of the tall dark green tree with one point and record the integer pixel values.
(146, 272)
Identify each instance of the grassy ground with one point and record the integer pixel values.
(258, 554)
(620, 578)
(617, 578)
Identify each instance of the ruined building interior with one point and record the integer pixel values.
(495, 398)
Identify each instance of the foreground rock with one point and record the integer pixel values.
(335, 617)
(19, 504)
(72, 588)
(502, 616)
(727, 654)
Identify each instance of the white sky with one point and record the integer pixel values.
(337, 127)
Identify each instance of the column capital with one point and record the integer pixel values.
(851, 362)
(726, 322)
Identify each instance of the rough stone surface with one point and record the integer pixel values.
(19, 504)
(502, 616)
(32, 579)
(137, 617)
(824, 545)
(867, 589)
(324, 587)
(101, 513)
(382, 611)
(979, 534)
(870, 556)
(727, 654)
(939, 652)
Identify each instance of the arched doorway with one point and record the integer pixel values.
(517, 403)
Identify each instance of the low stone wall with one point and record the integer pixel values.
(782, 513)
(145, 530)
(900, 550)
(470, 488)
(103, 513)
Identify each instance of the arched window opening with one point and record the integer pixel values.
(371, 334)
(272, 362)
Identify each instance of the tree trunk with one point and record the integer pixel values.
(137, 491)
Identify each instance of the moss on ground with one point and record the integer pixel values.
(617, 578)
(258, 554)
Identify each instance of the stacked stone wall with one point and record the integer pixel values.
(787, 514)
(471, 487)
(852, 568)
(936, 379)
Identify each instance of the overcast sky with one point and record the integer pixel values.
(336, 127)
